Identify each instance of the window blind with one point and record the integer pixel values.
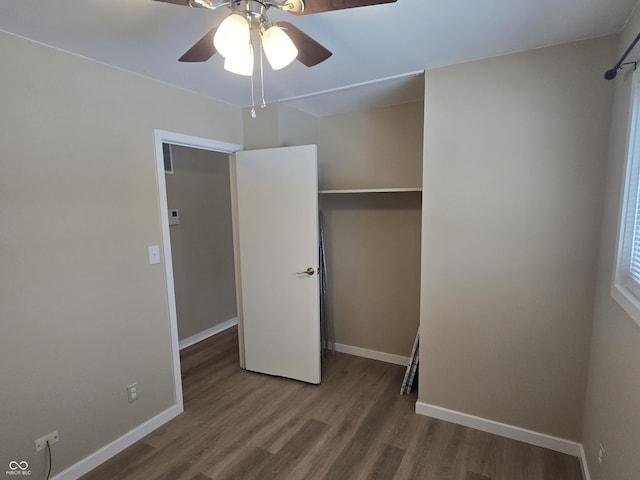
(633, 191)
(634, 261)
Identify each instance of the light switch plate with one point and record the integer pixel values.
(174, 216)
(154, 254)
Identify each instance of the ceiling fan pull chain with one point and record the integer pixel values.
(253, 99)
(264, 103)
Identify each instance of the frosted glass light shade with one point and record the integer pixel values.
(278, 47)
(240, 63)
(233, 35)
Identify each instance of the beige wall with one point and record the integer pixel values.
(278, 125)
(83, 313)
(613, 394)
(296, 127)
(202, 244)
(261, 131)
(373, 148)
(514, 160)
(373, 265)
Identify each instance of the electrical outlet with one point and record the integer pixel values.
(132, 392)
(52, 437)
(601, 453)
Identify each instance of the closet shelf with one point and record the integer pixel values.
(371, 190)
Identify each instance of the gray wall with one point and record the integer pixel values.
(514, 160)
(83, 314)
(613, 394)
(202, 244)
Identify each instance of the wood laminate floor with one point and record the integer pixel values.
(355, 425)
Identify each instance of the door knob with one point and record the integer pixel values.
(309, 271)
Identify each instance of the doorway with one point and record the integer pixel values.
(162, 137)
(200, 226)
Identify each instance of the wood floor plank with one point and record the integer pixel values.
(237, 427)
(240, 425)
(223, 416)
(284, 462)
(486, 454)
(290, 420)
(219, 438)
(453, 451)
(344, 410)
(327, 408)
(562, 466)
(476, 476)
(244, 467)
(522, 461)
(439, 453)
(120, 465)
(317, 463)
(349, 460)
(415, 460)
(403, 425)
(386, 463)
(199, 352)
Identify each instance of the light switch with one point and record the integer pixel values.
(154, 254)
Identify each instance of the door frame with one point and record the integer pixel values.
(173, 138)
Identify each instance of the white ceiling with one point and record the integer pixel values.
(369, 43)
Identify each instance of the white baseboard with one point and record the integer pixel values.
(509, 431)
(373, 354)
(198, 337)
(92, 461)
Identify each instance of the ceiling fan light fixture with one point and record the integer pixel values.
(278, 47)
(241, 63)
(232, 36)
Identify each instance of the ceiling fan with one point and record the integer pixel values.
(305, 49)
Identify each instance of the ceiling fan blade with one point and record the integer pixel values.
(184, 3)
(319, 6)
(310, 52)
(202, 51)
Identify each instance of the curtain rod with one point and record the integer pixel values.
(611, 74)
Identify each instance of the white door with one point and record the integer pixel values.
(277, 248)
